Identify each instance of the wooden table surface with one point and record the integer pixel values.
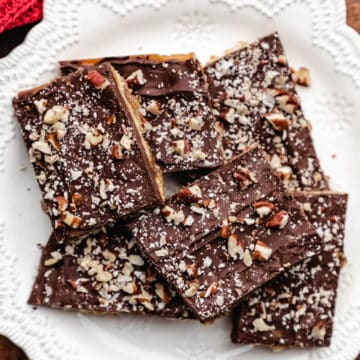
(8, 350)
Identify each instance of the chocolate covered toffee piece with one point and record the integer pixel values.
(256, 101)
(102, 273)
(226, 234)
(175, 103)
(91, 162)
(297, 308)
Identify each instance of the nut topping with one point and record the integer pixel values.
(116, 152)
(209, 203)
(76, 199)
(72, 283)
(278, 221)
(287, 103)
(227, 115)
(192, 269)
(126, 142)
(136, 260)
(162, 252)
(199, 155)
(219, 300)
(62, 203)
(318, 332)
(189, 221)
(235, 247)
(263, 208)
(55, 114)
(192, 193)
(211, 290)
(94, 268)
(302, 77)
(262, 251)
(70, 219)
(162, 293)
(244, 177)
(192, 289)
(225, 231)
(55, 258)
(260, 325)
(247, 258)
(51, 138)
(153, 107)
(59, 129)
(99, 81)
(40, 105)
(284, 172)
(196, 123)
(92, 139)
(129, 287)
(41, 146)
(181, 147)
(282, 59)
(136, 79)
(171, 215)
(278, 121)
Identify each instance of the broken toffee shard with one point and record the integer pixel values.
(226, 234)
(102, 273)
(90, 160)
(255, 99)
(297, 308)
(176, 105)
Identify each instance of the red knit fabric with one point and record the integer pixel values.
(15, 13)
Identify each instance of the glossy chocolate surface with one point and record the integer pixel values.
(297, 308)
(87, 153)
(255, 99)
(226, 234)
(103, 273)
(175, 103)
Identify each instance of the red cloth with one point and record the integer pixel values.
(14, 13)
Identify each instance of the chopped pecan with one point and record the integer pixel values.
(278, 221)
(262, 251)
(192, 193)
(62, 203)
(244, 177)
(99, 81)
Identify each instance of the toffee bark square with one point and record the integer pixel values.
(255, 98)
(176, 105)
(102, 273)
(226, 234)
(90, 160)
(297, 308)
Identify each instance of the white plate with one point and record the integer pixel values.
(314, 34)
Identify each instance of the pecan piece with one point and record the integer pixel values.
(136, 79)
(277, 120)
(244, 177)
(192, 193)
(235, 247)
(62, 203)
(262, 251)
(278, 221)
(302, 76)
(99, 81)
(263, 208)
(70, 219)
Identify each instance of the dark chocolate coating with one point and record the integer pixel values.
(102, 273)
(255, 98)
(297, 308)
(191, 242)
(79, 175)
(176, 105)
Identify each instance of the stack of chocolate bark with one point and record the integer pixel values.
(257, 231)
